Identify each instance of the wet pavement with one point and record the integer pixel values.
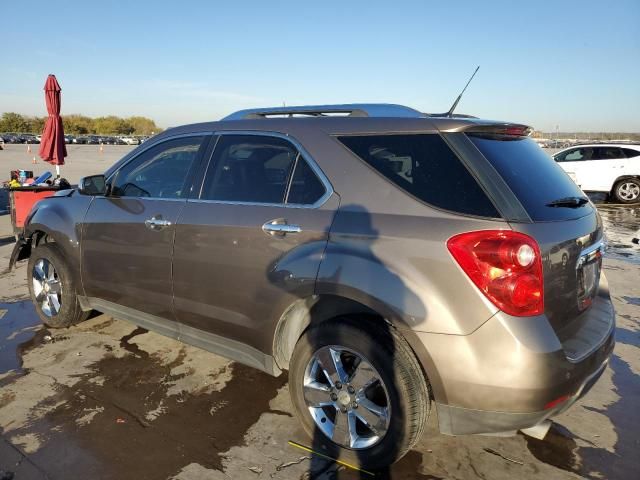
(105, 399)
(621, 223)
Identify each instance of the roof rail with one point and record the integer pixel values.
(350, 110)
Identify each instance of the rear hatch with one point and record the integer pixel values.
(564, 222)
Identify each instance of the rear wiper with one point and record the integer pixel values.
(569, 202)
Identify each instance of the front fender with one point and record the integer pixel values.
(60, 219)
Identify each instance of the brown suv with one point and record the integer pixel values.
(391, 261)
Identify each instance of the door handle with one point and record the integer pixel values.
(280, 227)
(156, 223)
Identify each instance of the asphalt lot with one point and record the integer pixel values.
(105, 399)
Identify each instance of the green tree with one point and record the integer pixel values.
(36, 124)
(112, 125)
(13, 122)
(143, 125)
(77, 124)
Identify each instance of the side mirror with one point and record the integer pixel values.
(93, 185)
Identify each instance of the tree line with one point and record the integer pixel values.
(81, 125)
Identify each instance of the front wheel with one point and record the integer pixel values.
(358, 391)
(52, 288)
(627, 191)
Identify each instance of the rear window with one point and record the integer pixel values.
(425, 167)
(533, 176)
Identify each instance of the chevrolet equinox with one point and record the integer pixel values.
(395, 263)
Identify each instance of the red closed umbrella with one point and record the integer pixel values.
(52, 147)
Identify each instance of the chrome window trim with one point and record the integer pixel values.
(301, 152)
(148, 147)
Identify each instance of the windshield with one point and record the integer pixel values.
(535, 178)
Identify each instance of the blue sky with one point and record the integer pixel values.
(575, 64)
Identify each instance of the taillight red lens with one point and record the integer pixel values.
(505, 265)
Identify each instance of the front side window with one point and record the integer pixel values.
(249, 168)
(160, 172)
(576, 155)
(424, 166)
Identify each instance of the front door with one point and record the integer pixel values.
(251, 244)
(575, 162)
(128, 235)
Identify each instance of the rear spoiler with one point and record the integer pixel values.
(510, 129)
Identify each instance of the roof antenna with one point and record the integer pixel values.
(455, 104)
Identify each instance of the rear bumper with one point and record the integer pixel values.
(460, 421)
(509, 373)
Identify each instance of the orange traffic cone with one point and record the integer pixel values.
(28, 148)
(34, 161)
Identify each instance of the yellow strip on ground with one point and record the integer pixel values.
(340, 462)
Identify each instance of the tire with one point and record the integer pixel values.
(627, 190)
(56, 304)
(402, 388)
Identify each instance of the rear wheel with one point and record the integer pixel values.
(359, 391)
(627, 190)
(52, 288)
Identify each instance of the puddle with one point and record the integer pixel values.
(631, 300)
(122, 441)
(620, 225)
(20, 329)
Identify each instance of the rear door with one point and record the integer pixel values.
(251, 243)
(128, 235)
(606, 164)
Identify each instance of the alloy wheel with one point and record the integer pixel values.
(629, 191)
(47, 287)
(346, 397)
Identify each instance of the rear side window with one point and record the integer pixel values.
(630, 153)
(425, 167)
(249, 168)
(608, 153)
(532, 175)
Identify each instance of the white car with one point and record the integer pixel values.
(611, 168)
(130, 140)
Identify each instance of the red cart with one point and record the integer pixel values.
(21, 200)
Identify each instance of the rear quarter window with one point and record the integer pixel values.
(425, 167)
(533, 176)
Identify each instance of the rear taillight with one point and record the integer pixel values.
(505, 265)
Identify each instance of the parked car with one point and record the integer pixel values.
(27, 138)
(10, 138)
(395, 263)
(69, 139)
(130, 140)
(611, 168)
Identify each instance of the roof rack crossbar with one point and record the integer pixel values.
(351, 110)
